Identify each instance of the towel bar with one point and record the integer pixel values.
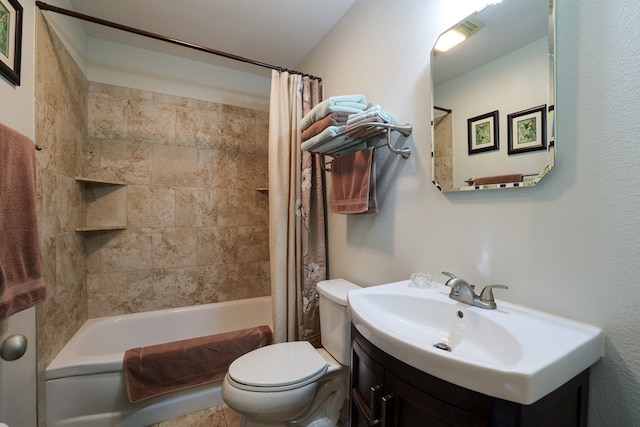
(354, 144)
(405, 152)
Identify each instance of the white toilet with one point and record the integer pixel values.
(293, 383)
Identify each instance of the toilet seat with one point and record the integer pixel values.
(277, 367)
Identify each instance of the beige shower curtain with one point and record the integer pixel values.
(296, 212)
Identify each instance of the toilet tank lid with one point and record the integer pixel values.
(336, 289)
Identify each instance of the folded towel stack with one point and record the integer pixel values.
(345, 128)
(336, 104)
(375, 112)
(342, 125)
(328, 119)
(333, 119)
(357, 123)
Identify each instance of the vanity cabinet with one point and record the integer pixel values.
(387, 392)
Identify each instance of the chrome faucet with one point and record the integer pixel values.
(464, 292)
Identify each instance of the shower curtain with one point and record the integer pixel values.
(297, 242)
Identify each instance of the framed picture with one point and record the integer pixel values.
(527, 130)
(10, 40)
(482, 133)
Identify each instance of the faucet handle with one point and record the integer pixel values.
(451, 277)
(487, 293)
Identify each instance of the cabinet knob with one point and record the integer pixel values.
(13, 348)
(388, 406)
(361, 404)
(375, 397)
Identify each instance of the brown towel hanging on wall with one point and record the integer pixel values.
(21, 282)
(353, 180)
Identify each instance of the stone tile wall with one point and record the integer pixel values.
(60, 128)
(443, 151)
(196, 228)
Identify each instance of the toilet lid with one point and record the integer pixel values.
(275, 367)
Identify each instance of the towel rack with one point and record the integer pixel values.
(351, 142)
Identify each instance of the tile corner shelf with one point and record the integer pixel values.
(105, 205)
(86, 180)
(101, 228)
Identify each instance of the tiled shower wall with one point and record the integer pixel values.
(196, 224)
(60, 128)
(443, 151)
(196, 229)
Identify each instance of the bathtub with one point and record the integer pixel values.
(85, 383)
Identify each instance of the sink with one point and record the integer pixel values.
(513, 352)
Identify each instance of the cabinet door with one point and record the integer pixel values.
(367, 380)
(407, 406)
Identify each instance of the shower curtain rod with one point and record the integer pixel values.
(100, 21)
(446, 110)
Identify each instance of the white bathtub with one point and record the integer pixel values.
(85, 383)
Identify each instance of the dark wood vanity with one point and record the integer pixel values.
(387, 392)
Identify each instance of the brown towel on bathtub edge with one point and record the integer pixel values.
(21, 283)
(163, 368)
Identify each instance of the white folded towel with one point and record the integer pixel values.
(335, 104)
(369, 113)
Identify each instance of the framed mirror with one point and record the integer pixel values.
(493, 98)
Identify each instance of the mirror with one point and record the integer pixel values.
(493, 95)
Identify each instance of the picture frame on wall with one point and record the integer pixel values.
(527, 130)
(482, 133)
(10, 40)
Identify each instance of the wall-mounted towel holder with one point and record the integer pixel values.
(349, 145)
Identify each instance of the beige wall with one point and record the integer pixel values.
(60, 126)
(196, 228)
(443, 151)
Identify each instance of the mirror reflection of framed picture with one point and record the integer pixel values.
(10, 40)
(527, 130)
(482, 133)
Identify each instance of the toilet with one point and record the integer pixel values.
(293, 383)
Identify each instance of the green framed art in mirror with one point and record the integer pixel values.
(493, 98)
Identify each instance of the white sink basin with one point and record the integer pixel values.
(512, 352)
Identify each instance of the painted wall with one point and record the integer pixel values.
(568, 246)
(16, 105)
(112, 63)
(18, 378)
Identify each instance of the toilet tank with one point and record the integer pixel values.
(335, 326)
